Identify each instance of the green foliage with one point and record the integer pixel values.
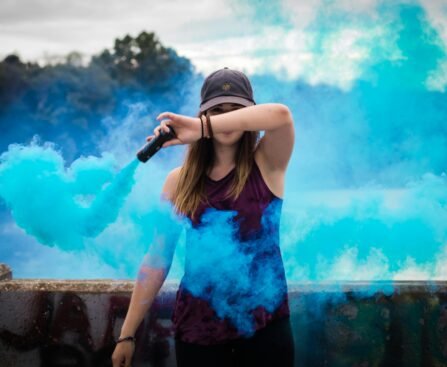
(73, 97)
(14, 79)
(143, 63)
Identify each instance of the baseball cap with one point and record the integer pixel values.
(226, 86)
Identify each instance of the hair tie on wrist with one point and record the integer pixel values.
(201, 122)
(210, 130)
(126, 338)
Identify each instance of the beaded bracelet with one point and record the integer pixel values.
(126, 338)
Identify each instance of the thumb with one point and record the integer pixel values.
(127, 361)
(117, 361)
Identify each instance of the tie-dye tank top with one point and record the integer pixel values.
(257, 289)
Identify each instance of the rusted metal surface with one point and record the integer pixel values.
(74, 323)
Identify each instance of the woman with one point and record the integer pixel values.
(227, 168)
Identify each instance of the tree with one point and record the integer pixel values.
(72, 97)
(144, 64)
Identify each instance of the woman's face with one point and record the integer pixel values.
(226, 138)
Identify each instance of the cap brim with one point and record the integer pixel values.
(225, 99)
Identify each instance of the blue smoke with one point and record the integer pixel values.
(224, 270)
(365, 191)
(55, 206)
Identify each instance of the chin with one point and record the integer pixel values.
(228, 138)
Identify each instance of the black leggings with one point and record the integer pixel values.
(271, 346)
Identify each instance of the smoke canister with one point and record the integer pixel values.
(152, 147)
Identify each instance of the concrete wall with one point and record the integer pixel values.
(74, 323)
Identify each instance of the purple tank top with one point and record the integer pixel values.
(194, 319)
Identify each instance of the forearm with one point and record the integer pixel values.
(146, 288)
(153, 270)
(269, 116)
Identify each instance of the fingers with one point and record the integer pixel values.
(157, 131)
(163, 126)
(165, 120)
(165, 115)
(116, 360)
(121, 360)
(166, 144)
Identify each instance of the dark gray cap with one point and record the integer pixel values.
(226, 86)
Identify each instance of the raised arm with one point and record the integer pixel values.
(275, 119)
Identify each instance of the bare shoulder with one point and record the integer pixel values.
(171, 183)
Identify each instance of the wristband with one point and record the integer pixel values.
(126, 338)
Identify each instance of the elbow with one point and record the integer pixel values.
(153, 273)
(284, 114)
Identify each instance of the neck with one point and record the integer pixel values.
(224, 156)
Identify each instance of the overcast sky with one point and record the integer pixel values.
(315, 40)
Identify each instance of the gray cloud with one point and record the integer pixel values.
(318, 48)
(57, 27)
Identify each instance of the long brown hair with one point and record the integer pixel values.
(199, 159)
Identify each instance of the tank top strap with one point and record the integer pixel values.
(260, 183)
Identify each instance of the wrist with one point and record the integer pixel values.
(129, 338)
(209, 129)
(202, 131)
(204, 127)
(127, 331)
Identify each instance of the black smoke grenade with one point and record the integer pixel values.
(152, 147)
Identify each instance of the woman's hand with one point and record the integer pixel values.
(122, 355)
(187, 129)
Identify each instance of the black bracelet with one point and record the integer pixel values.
(210, 130)
(201, 122)
(126, 338)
